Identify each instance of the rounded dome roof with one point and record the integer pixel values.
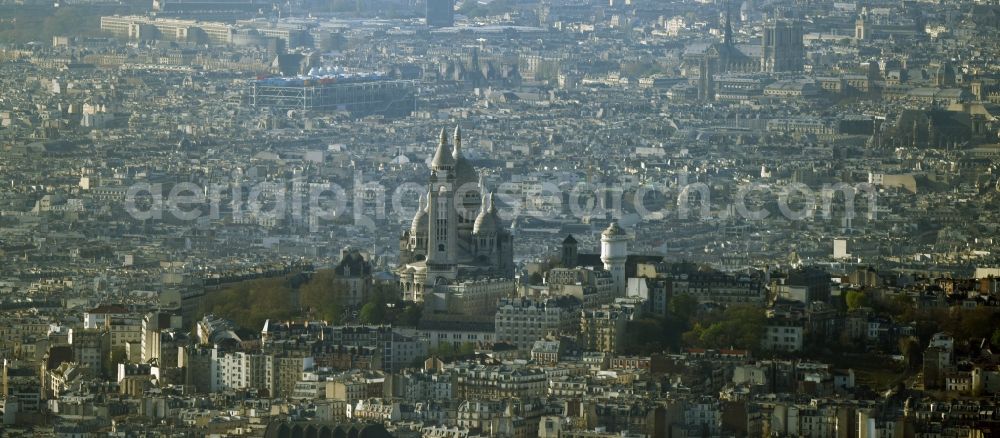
(487, 219)
(614, 230)
(484, 223)
(419, 224)
(420, 220)
(464, 172)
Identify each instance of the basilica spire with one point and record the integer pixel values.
(457, 139)
(442, 158)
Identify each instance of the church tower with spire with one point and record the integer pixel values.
(728, 38)
(456, 233)
(442, 231)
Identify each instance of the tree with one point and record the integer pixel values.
(683, 306)
(323, 296)
(856, 299)
(976, 323)
(466, 349)
(535, 279)
(411, 316)
(250, 303)
(748, 324)
(643, 336)
(318, 289)
(846, 341)
(692, 337)
(740, 327)
(333, 313)
(372, 313)
(385, 293)
(448, 350)
(901, 307)
(717, 335)
(640, 68)
(909, 347)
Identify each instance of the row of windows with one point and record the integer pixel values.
(788, 330)
(469, 336)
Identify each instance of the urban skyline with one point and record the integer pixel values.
(510, 218)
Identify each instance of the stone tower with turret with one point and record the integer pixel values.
(614, 252)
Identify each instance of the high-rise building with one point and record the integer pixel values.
(782, 46)
(440, 13)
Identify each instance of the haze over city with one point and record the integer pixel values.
(499, 218)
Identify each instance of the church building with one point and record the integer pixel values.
(456, 235)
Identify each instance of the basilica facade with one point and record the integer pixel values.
(457, 235)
